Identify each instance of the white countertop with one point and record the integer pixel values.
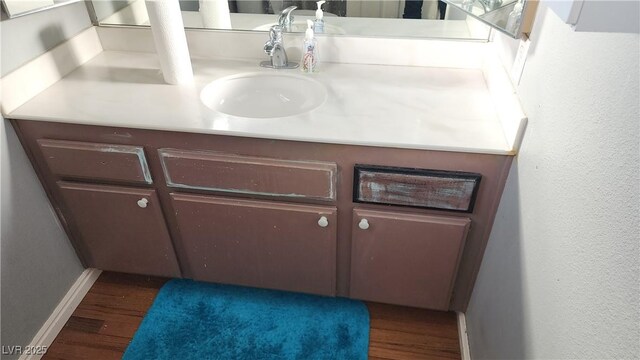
(389, 106)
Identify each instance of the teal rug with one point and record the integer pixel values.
(195, 320)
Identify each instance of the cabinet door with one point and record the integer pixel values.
(120, 229)
(258, 243)
(405, 259)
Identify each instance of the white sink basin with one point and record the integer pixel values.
(263, 95)
(300, 27)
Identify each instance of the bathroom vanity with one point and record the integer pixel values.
(275, 214)
(385, 192)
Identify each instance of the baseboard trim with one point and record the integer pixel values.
(462, 335)
(61, 314)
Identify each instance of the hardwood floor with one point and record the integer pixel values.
(107, 318)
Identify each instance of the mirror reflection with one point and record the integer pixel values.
(504, 15)
(389, 18)
(15, 8)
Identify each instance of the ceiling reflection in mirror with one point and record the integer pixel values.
(383, 18)
(16, 8)
(503, 15)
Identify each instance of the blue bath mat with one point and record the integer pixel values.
(195, 320)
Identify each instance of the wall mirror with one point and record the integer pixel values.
(385, 18)
(512, 17)
(16, 8)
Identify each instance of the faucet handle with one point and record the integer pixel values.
(275, 49)
(275, 37)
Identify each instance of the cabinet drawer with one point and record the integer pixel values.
(249, 175)
(405, 259)
(434, 189)
(257, 243)
(117, 232)
(100, 162)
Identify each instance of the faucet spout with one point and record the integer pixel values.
(285, 19)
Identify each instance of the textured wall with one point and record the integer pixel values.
(560, 276)
(37, 263)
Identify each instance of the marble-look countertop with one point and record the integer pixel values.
(390, 106)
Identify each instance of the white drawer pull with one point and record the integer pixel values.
(363, 224)
(143, 202)
(323, 222)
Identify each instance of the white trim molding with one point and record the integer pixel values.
(505, 98)
(462, 335)
(61, 314)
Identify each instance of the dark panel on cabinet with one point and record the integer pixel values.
(432, 189)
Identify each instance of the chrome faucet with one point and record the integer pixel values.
(274, 47)
(285, 19)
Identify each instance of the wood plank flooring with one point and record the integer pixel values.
(107, 318)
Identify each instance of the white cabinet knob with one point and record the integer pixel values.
(323, 222)
(143, 202)
(363, 224)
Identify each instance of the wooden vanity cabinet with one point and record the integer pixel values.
(115, 219)
(258, 243)
(405, 258)
(272, 213)
(269, 243)
(120, 228)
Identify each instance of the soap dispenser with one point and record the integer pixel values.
(318, 25)
(309, 61)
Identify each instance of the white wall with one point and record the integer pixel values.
(24, 38)
(560, 276)
(37, 262)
